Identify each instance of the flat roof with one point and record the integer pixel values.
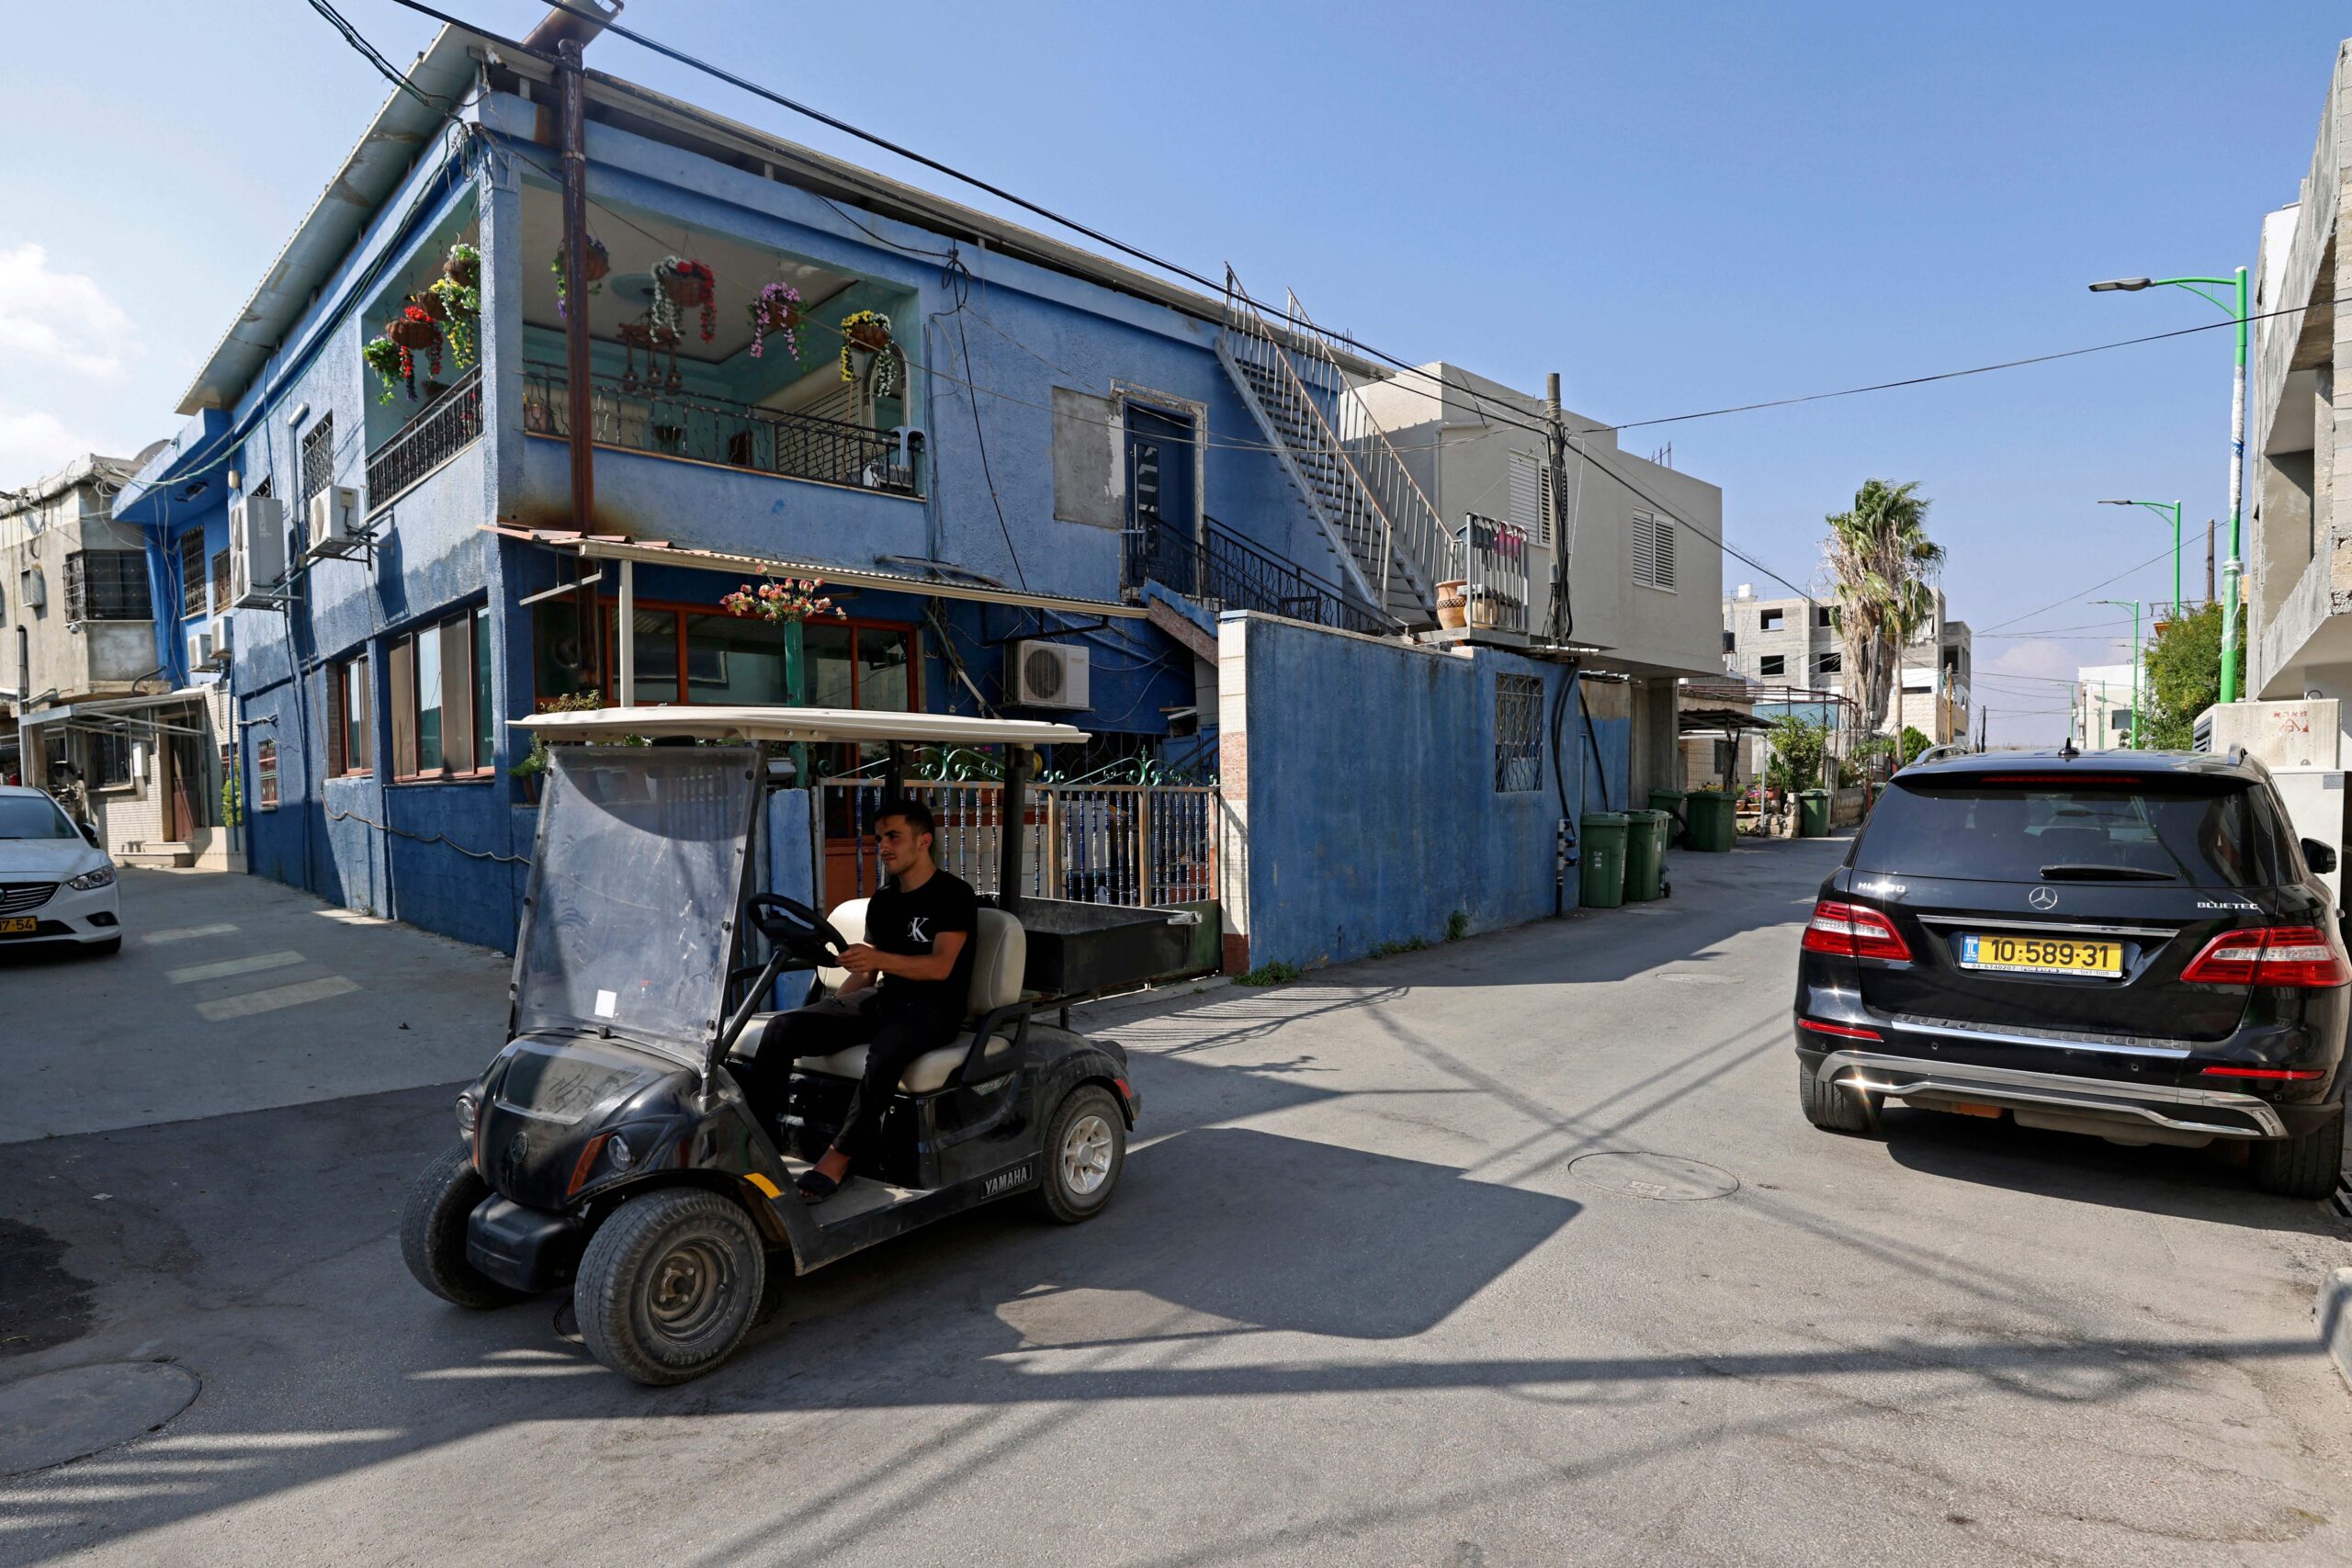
(788, 724)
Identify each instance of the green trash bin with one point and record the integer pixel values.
(1645, 834)
(1714, 822)
(1812, 813)
(1673, 802)
(1600, 845)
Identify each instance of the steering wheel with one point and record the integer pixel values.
(798, 929)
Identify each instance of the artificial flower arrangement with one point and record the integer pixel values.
(777, 311)
(414, 331)
(794, 599)
(681, 282)
(463, 266)
(870, 330)
(458, 306)
(382, 356)
(599, 263)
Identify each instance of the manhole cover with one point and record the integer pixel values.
(55, 1417)
(1668, 1177)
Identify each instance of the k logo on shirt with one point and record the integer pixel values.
(915, 932)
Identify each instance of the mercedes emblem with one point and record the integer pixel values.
(2043, 897)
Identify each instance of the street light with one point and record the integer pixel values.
(2161, 508)
(2139, 742)
(2232, 567)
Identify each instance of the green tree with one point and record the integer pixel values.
(1797, 745)
(1914, 742)
(1882, 564)
(2183, 677)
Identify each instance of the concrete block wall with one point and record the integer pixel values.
(1375, 818)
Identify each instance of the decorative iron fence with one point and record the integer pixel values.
(444, 427)
(646, 417)
(1494, 565)
(1138, 844)
(1223, 568)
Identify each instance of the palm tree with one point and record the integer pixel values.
(1881, 566)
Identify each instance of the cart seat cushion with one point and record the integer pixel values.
(924, 1075)
(999, 956)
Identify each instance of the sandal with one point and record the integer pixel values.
(815, 1186)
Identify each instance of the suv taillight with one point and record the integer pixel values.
(2269, 955)
(1850, 930)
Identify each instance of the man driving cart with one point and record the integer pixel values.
(905, 995)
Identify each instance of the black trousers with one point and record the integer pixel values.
(892, 1038)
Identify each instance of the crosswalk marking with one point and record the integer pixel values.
(185, 933)
(229, 967)
(279, 997)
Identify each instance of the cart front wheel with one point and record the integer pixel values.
(1086, 1148)
(433, 1232)
(669, 1285)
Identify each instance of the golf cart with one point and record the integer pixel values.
(609, 1147)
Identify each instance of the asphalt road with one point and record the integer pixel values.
(1513, 1250)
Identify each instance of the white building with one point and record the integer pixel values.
(2102, 707)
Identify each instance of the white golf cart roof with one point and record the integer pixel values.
(784, 723)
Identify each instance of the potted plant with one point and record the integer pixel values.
(457, 304)
(463, 266)
(791, 601)
(1452, 602)
(869, 332)
(777, 311)
(382, 356)
(680, 283)
(599, 263)
(531, 766)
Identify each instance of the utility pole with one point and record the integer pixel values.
(1555, 444)
(580, 407)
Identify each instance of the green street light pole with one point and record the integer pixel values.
(2139, 741)
(2162, 509)
(2234, 567)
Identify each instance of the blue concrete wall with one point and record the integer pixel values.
(1378, 820)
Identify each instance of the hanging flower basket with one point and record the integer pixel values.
(463, 266)
(777, 312)
(435, 307)
(683, 284)
(868, 332)
(460, 306)
(794, 599)
(386, 357)
(599, 264)
(415, 331)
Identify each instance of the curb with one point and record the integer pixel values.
(2333, 1309)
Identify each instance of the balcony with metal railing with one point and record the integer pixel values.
(649, 416)
(442, 429)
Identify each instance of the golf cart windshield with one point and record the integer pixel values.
(638, 870)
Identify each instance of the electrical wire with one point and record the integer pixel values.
(2013, 620)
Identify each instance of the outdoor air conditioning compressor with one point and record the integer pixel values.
(1046, 675)
(335, 528)
(256, 551)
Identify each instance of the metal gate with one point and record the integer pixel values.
(1134, 845)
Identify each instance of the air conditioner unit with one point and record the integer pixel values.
(201, 650)
(256, 551)
(36, 594)
(1047, 675)
(335, 526)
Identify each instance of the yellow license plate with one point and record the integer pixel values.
(2040, 955)
(18, 925)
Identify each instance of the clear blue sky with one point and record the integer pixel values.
(1676, 207)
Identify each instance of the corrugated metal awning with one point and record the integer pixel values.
(712, 722)
(941, 585)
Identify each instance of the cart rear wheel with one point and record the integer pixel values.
(1086, 1148)
(669, 1285)
(433, 1232)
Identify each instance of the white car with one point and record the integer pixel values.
(56, 883)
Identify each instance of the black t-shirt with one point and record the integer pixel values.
(912, 923)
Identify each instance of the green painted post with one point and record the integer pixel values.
(2139, 743)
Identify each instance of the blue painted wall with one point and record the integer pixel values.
(1377, 821)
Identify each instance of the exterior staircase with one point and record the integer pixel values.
(1387, 535)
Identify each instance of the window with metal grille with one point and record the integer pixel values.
(110, 759)
(106, 586)
(192, 573)
(318, 464)
(220, 579)
(265, 775)
(1654, 551)
(1518, 714)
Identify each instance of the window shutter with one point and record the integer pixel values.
(402, 670)
(457, 693)
(1527, 497)
(337, 762)
(1662, 551)
(1551, 504)
(1645, 550)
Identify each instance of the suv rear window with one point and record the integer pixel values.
(2203, 832)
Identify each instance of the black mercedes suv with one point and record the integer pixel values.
(2130, 944)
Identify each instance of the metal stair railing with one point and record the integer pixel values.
(1426, 550)
(1293, 417)
(1223, 568)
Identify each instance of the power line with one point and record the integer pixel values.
(2013, 620)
